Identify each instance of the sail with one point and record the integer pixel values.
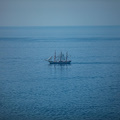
(49, 58)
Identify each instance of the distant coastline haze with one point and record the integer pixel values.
(59, 12)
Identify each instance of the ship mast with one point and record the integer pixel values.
(60, 56)
(66, 55)
(55, 57)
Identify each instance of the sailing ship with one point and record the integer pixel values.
(61, 59)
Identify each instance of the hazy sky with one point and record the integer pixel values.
(59, 12)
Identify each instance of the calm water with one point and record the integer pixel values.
(88, 89)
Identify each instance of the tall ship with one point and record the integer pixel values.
(60, 59)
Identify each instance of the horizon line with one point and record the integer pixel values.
(68, 26)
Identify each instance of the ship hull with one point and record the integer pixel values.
(59, 62)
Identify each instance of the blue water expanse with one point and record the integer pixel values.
(87, 89)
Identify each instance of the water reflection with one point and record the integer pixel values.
(59, 68)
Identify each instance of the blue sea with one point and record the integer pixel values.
(87, 89)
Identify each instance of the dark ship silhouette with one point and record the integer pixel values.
(61, 59)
